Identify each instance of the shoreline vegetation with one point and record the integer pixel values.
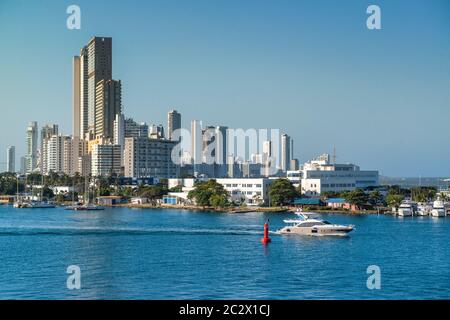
(282, 196)
(248, 209)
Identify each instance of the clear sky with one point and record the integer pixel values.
(309, 68)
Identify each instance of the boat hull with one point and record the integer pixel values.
(317, 231)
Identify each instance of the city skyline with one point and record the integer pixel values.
(413, 151)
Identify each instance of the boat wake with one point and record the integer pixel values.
(88, 231)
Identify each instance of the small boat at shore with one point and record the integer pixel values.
(307, 225)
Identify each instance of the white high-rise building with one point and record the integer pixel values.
(47, 132)
(119, 130)
(55, 153)
(11, 159)
(119, 133)
(197, 142)
(32, 146)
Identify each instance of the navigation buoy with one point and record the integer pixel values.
(266, 238)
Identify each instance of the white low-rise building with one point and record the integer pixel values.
(319, 175)
(251, 191)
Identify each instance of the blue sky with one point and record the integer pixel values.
(309, 68)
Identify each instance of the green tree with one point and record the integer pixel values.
(153, 193)
(282, 192)
(376, 198)
(209, 193)
(8, 184)
(356, 197)
(394, 200)
(178, 188)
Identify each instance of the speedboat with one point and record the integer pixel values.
(405, 209)
(308, 225)
(438, 209)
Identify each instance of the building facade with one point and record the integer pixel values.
(320, 175)
(145, 157)
(93, 65)
(108, 104)
(11, 159)
(106, 160)
(285, 152)
(32, 147)
(173, 123)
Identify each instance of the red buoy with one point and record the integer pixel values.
(266, 238)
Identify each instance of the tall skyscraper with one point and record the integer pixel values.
(55, 153)
(108, 103)
(197, 142)
(119, 130)
(173, 122)
(11, 159)
(267, 149)
(285, 152)
(23, 165)
(47, 132)
(32, 146)
(221, 145)
(94, 64)
(76, 96)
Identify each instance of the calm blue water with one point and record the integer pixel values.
(170, 254)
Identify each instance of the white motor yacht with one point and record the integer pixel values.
(307, 225)
(405, 209)
(438, 209)
(424, 209)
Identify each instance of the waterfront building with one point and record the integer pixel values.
(285, 152)
(32, 147)
(11, 159)
(173, 123)
(106, 160)
(146, 157)
(108, 103)
(320, 175)
(249, 191)
(93, 65)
